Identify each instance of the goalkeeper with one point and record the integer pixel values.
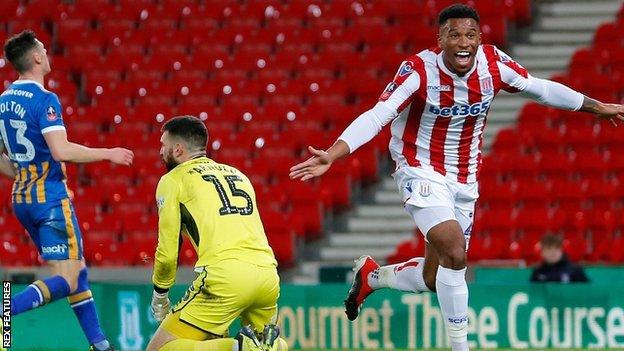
(214, 206)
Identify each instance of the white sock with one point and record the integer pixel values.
(406, 276)
(453, 298)
(102, 345)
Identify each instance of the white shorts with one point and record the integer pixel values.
(424, 189)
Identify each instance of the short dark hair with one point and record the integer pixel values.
(550, 240)
(188, 128)
(16, 48)
(457, 11)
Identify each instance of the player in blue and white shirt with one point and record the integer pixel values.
(32, 134)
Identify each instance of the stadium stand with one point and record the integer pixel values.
(269, 78)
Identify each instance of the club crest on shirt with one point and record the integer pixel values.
(405, 69)
(487, 87)
(51, 113)
(424, 189)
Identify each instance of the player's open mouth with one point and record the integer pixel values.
(462, 57)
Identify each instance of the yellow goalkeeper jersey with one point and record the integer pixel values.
(214, 205)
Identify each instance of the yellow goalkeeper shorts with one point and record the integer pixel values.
(222, 293)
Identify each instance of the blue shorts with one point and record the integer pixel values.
(53, 227)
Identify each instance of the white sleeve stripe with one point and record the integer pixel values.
(554, 94)
(511, 77)
(404, 91)
(366, 126)
(52, 129)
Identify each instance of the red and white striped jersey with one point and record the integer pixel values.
(441, 116)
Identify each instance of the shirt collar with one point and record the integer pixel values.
(29, 81)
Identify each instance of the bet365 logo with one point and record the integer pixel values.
(475, 109)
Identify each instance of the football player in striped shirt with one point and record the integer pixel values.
(33, 135)
(437, 103)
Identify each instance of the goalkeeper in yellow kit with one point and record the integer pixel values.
(214, 206)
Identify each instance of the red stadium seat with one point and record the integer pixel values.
(485, 246)
(602, 194)
(590, 163)
(583, 60)
(508, 140)
(606, 36)
(568, 194)
(200, 24)
(547, 140)
(187, 255)
(115, 27)
(494, 31)
(533, 222)
(534, 116)
(497, 220)
(18, 254)
(581, 138)
(170, 51)
(532, 193)
(554, 163)
(282, 241)
(8, 8)
(519, 165)
(10, 223)
(305, 202)
(408, 249)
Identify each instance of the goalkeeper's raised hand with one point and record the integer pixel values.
(160, 305)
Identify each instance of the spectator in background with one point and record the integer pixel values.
(556, 267)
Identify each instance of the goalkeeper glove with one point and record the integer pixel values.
(160, 306)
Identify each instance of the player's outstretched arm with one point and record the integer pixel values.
(64, 150)
(614, 113)
(557, 95)
(320, 161)
(359, 132)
